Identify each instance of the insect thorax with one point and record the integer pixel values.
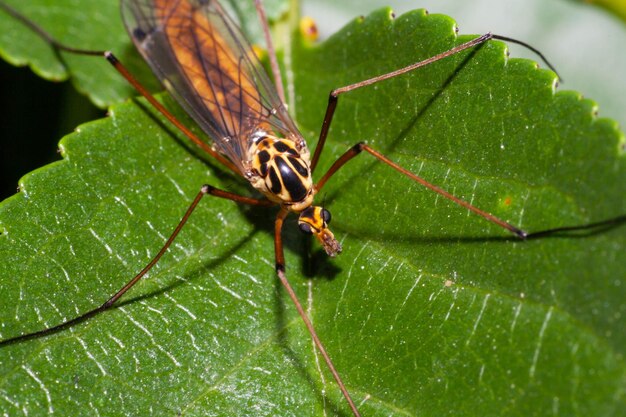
(281, 171)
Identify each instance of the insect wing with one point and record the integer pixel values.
(204, 61)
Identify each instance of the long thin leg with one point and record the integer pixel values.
(206, 189)
(334, 95)
(278, 79)
(280, 271)
(120, 68)
(359, 147)
(587, 229)
(169, 116)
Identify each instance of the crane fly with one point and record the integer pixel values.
(202, 58)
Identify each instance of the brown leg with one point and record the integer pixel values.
(206, 189)
(334, 95)
(271, 52)
(131, 80)
(359, 147)
(584, 229)
(280, 271)
(166, 113)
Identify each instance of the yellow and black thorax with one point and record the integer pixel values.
(282, 171)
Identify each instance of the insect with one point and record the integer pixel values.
(264, 116)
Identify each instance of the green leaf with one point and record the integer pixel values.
(93, 26)
(582, 42)
(65, 21)
(428, 311)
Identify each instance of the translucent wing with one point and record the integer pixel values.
(204, 61)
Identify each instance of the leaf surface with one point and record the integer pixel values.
(428, 311)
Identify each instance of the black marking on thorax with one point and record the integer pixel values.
(284, 172)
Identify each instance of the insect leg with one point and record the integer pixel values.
(584, 229)
(123, 71)
(359, 147)
(278, 79)
(206, 189)
(334, 95)
(280, 271)
(166, 113)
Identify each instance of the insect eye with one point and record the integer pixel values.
(326, 215)
(305, 228)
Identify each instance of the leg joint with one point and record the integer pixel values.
(358, 147)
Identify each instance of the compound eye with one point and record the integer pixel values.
(326, 215)
(305, 228)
